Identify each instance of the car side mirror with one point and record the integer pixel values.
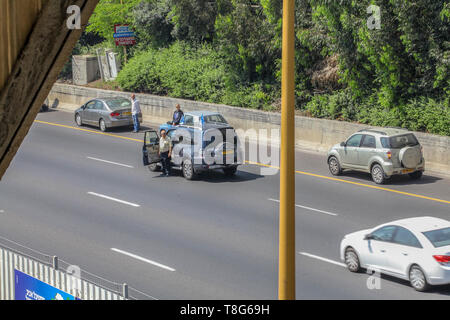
(368, 237)
(343, 144)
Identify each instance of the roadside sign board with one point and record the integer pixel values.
(123, 35)
(30, 288)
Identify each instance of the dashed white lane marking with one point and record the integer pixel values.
(132, 255)
(309, 208)
(111, 162)
(113, 199)
(323, 259)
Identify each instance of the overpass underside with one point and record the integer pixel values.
(35, 43)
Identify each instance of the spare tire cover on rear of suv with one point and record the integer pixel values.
(410, 157)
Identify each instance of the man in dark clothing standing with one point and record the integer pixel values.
(177, 116)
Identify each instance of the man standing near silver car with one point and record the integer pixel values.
(135, 111)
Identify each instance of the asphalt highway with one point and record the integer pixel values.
(86, 198)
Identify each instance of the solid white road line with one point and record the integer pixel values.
(323, 259)
(113, 199)
(143, 259)
(110, 162)
(309, 208)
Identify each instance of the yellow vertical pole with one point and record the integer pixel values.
(286, 271)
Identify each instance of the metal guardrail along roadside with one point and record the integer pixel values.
(58, 273)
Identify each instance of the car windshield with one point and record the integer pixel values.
(118, 104)
(439, 238)
(399, 142)
(215, 118)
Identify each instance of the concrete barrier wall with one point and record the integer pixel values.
(310, 133)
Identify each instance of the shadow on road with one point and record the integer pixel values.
(395, 180)
(212, 176)
(442, 289)
(130, 129)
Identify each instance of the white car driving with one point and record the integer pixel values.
(414, 249)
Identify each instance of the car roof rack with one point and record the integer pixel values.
(374, 131)
(398, 128)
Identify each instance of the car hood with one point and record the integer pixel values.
(358, 234)
(335, 146)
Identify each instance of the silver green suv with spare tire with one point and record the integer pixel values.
(382, 153)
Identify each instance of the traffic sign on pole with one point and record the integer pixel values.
(123, 35)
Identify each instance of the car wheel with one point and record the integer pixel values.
(334, 166)
(416, 175)
(378, 174)
(417, 279)
(352, 260)
(188, 170)
(153, 167)
(78, 120)
(230, 171)
(102, 125)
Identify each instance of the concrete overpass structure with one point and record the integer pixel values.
(35, 42)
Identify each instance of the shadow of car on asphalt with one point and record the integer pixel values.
(394, 180)
(439, 289)
(213, 176)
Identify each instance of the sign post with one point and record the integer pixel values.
(123, 36)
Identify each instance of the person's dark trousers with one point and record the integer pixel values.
(136, 122)
(165, 161)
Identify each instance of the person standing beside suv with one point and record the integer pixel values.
(165, 152)
(135, 112)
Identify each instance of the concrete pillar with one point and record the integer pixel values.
(85, 69)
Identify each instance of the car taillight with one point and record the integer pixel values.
(389, 154)
(443, 260)
(115, 114)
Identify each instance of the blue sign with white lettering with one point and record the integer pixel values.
(124, 35)
(30, 288)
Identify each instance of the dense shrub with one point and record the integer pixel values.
(178, 71)
(419, 114)
(192, 73)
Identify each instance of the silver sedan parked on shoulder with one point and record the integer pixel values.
(105, 113)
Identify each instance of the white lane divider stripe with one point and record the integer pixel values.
(111, 162)
(323, 259)
(113, 199)
(132, 255)
(309, 208)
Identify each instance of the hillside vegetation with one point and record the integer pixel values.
(229, 51)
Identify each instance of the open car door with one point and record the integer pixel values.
(150, 149)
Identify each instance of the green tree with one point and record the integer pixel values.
(154, 26)
(111, 12)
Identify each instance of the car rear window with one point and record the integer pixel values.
(439, 238)
(118, 104)
(215, 118)
(399, 142)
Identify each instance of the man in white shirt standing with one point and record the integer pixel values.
(135, 111)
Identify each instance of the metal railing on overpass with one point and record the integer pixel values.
(57, 273)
